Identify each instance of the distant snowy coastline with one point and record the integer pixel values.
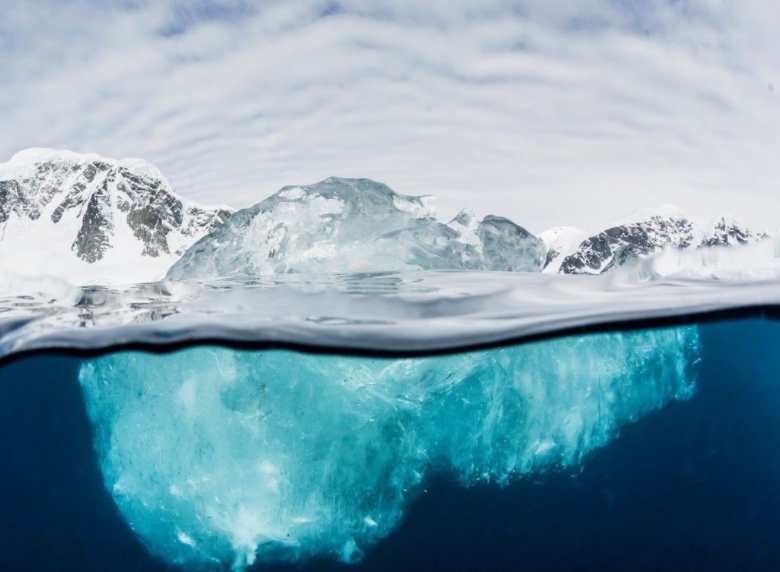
(91, 220)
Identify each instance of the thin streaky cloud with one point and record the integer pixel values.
(557, 112)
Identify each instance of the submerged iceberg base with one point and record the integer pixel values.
(216, 455)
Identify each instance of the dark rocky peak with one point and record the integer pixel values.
(726, 231)
(646, 235)
(97, 195)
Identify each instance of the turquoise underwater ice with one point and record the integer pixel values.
(216, 455)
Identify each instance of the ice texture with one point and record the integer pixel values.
(349, 225)
(216, 455)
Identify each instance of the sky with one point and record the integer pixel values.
(550, 112)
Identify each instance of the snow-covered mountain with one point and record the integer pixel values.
(571, 251)
(89, 219)
(560, 241)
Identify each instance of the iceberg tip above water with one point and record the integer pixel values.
(355, 225)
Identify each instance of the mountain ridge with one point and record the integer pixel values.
(109, 213)
(91, 219)
(641, 234)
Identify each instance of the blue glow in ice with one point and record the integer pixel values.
(218, 455)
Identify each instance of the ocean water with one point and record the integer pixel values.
(672, 466)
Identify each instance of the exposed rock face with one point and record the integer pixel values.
(97, 206)
(644, 236)
(727, 232)
(615, 245)
(97, 226)
(9, 196)
(560, 241)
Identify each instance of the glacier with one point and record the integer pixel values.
(355, 225)
(219, 456)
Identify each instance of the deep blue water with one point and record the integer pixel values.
(694, 486)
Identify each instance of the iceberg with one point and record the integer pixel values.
(218, 456)
(355, 225)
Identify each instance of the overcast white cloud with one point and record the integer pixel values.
(551, 112)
